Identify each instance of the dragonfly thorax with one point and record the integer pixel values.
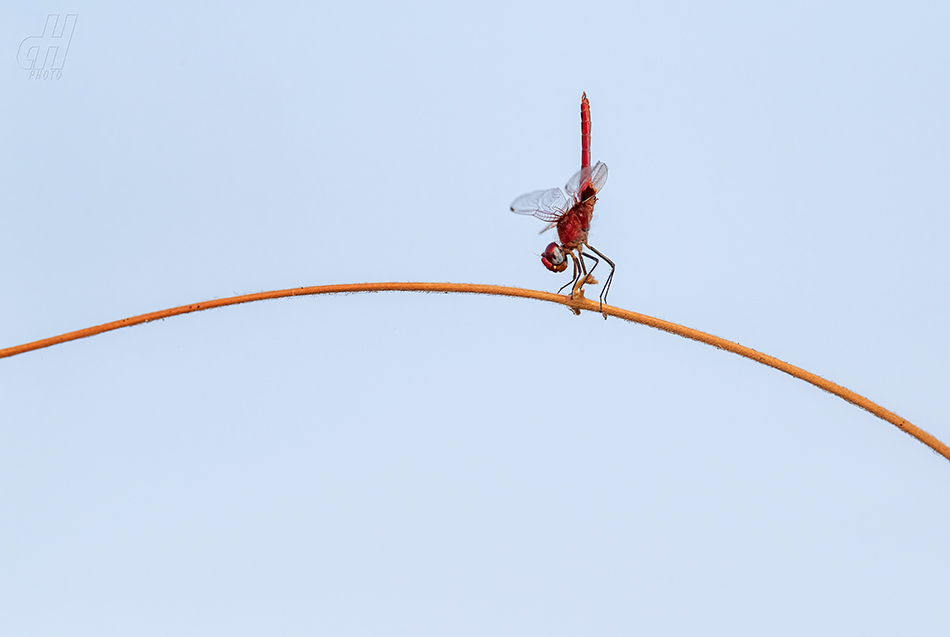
(574, 224)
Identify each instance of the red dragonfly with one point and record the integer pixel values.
(571, 213)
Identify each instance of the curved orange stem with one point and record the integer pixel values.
(576, 305)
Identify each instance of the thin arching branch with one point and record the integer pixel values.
(577, 305)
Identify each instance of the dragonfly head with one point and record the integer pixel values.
(553, 258)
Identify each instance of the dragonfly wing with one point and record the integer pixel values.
(595, 175)
(598, 176)
(573, 184)
(546, 205)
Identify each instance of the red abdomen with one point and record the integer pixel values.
(585, 132)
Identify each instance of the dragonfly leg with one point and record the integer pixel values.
(590, 274)
(583, 276)
(574, 277)
(610, 277)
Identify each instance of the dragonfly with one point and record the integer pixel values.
(570, 211)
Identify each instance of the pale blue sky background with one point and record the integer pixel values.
(427, 465)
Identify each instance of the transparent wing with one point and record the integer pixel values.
(595, 175)
(574, 182)
(546, 205)
(598, 176)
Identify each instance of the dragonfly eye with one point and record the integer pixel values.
(553, 258)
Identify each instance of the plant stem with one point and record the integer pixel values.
(575, 305)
